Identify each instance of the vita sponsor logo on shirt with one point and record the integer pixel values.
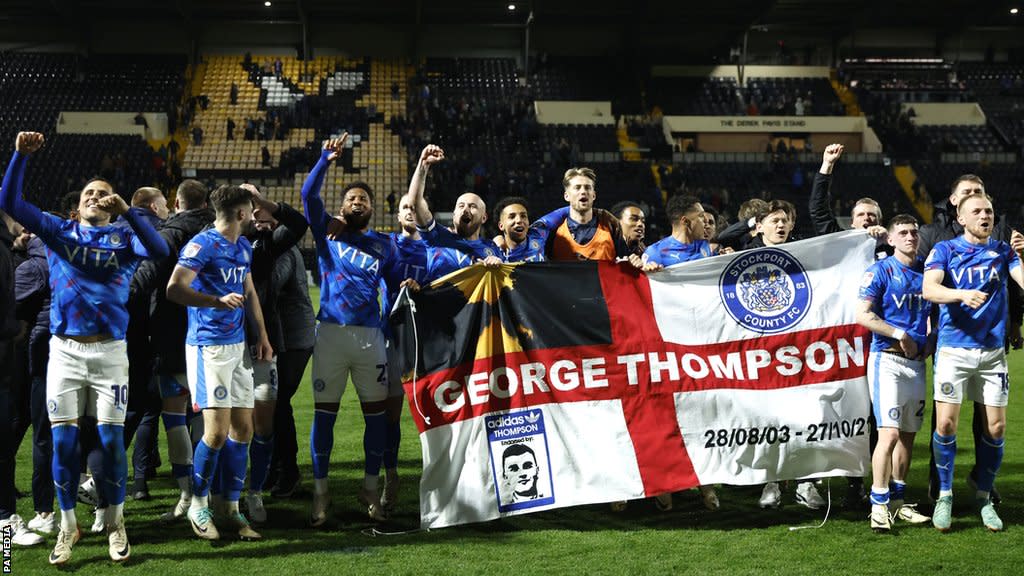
(233, 274)
(911, 301)
(86, 256)
(980, 274)
(358, 257)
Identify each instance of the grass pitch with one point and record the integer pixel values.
(740, 538)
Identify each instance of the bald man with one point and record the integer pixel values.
(450, 250)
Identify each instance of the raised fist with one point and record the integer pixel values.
(28, 142)
(431, 155)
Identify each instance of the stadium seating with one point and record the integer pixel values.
(315, 99)
(952, 138)
(692, 96)
(36, 87)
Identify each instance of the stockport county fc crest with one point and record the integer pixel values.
(765, 290)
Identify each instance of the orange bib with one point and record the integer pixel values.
(564, 246)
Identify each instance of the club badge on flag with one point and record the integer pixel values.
(551, 385)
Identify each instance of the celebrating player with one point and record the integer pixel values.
(91, 264)
(967, 277)
(212, 279)
(687, 241)
(349, 339)
(892, 308)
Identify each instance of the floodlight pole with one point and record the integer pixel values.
(526, 48)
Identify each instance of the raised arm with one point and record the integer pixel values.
(551, 220)
(144, 281)
(820, 202)
(428, 157)
(1017, 272)
(147, 242)
(23, 211)
(292, 224)
(313, 204)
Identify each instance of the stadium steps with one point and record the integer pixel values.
(628, 147)
(382, 160)
(847, 97)
(906, 176)
(219, 153)
(657, 179)
(379, 159)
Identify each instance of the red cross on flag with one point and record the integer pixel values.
(549, 385)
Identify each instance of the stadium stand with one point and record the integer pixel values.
(36, 87)
(692, 96)
(291, 112)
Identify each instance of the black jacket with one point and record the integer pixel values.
(825, 222)
(944, 226)
(266, 248)
(298, 322)
(9, 326)
(168, 320)
(736, 236)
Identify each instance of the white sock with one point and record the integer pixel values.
(68, 521)
(113, 514)
(232, 506)
(320, 485)
(200, 502)
(370, 483)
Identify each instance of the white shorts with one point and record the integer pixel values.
(86, 379)
(341, 351)
(264, 373)
(219, 376)
(976, 374)
(897, 391)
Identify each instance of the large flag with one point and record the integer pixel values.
(551, 385)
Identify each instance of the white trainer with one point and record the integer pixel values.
(374, 509)
(87, 492)
(807, 495)
(907, 512)
(43, 524)
(202, 523)
(99, 523)
(179, 511)
(120, 549)
(881, 521)
(65, 543)
(20, 534)
(771, 496)
(318, 514)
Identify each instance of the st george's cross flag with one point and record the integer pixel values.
(541, 386)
